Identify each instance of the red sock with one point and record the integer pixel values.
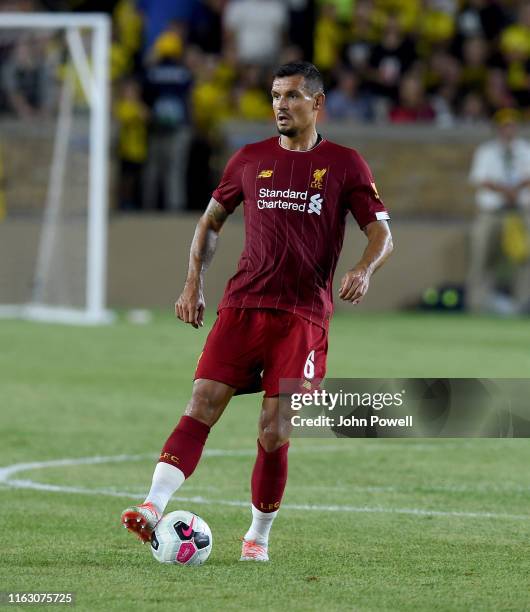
(269, 477)
(183, 448)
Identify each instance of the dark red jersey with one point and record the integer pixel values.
(295, 207)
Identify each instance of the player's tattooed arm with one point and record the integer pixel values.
(216, 215)
(204, 241)
(356, 281)
(190, 305)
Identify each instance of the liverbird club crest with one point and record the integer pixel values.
(318, 177)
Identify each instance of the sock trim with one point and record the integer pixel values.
(194, 428)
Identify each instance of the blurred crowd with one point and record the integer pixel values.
(181, 68)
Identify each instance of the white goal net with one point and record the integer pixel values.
(54, 135)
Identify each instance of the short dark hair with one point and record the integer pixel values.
(313, 81)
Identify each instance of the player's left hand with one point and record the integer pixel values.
(354, 285)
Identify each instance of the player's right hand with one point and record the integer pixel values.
(190, 305)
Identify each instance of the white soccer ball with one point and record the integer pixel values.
(182, 538)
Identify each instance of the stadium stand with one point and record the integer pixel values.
(440, 62)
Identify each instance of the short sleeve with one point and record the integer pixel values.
(229, 192)
(480, 168)
(360, 194)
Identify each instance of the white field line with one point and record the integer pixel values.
(7, 472)
(427, 488)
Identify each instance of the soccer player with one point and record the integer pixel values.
(273, 319)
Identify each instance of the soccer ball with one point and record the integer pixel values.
(182, 538)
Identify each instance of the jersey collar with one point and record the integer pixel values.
(317, 143)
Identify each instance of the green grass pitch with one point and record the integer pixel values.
(415, 524)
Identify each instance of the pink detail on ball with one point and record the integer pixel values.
(186, 552)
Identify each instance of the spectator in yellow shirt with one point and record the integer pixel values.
(211, 95)
(515, 48)
(132, 116)
(252, 102)
(329, 36)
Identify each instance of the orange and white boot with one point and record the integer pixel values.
(254, 551)
(141, 520)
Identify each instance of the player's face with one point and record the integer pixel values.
(295, 108)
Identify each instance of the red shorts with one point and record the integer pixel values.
(251, 349)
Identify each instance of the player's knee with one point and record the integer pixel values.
(202, 408)
(271, 439)
(205, 405)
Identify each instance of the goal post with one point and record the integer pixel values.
(84, 48)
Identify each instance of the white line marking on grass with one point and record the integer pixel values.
(8, 471)
(454, 488)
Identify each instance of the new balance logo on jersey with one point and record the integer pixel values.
(315, 204)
